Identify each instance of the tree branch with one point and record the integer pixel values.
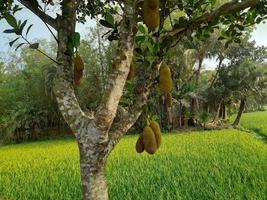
(44, 17)
(126, 121)
(226, 9)
(121, 67)
(63, 83)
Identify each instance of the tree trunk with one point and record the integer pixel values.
(94, 186)
(221, 58)
(225, 112)
(100, 54)
(93, 173)
(93, 132)
(240, 111)
(216, 116)
(195, 103)
(180, 115)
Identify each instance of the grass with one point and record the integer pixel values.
(226, 164)
(255, 121)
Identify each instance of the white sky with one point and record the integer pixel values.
(40, 31)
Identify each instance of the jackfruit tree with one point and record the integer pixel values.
(140, 30)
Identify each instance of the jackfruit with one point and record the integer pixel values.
(168, 99)
(157, 132)
(151, 14)
(78, 76)
(165, 79)
(78, 63)
(132, 71)
(149, 140)
(78, 69)
(140, 145)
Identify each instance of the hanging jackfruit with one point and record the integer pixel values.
(78, 63)
(157, 132)
(168, 99)
(165, 79)
(151, 14)
(140, 145)
(149, 140)
(132, 71)
(78, 69)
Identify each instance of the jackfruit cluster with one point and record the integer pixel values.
(165, 83)
(150, 140)
(151, 15)
(78, 69)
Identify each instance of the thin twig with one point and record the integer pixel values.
(51, 31)
(40, 50)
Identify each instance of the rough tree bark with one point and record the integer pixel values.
(92, 134)
(240, 111)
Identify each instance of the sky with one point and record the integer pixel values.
(39, 31)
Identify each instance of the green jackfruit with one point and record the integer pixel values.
(165, 79)
(149, 140)
(168, 99)
(151, 14)
(140, 145)
(157, 132)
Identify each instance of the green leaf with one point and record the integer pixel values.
(16, 9)
(28, 29)
(19, 23)
(109, 18)
(12, 42)
(17, 31)
(19, 46)
(11, 20)
(76, 39)
(140, 38)
(9, 31)
(34, 45)
(106, 23)
(142, 29)
(22, 26)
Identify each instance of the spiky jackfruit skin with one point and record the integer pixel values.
(139, 146)
(149, 140)
(168, 98)
(78, 69)
(165, 79)
(132, 71)
(157, 132)
(151, 14)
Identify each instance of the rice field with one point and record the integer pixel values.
(255, 121)
(227, 164)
